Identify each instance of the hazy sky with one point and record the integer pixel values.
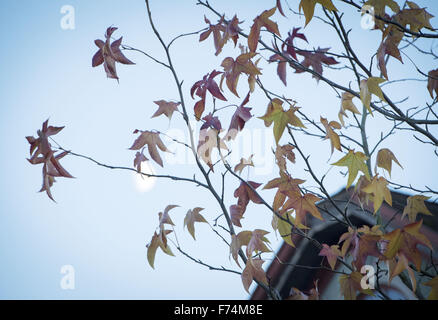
(102, 221)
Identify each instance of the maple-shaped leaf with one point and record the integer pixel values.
(257, 242)
(191, 217)
(284, 226)
(208, 140)
(379, 9)
(288, 52)
(360, 195)
(154, 244)
(414, 16)
(139, 158)
(164, 217)
(275, 113)
(331, 253)
(355, 162)
(244, 194)
(335, 142)
(296, 294)
(308, 7)
(397, 265)
(432, 82)
(285, 183)
(221, 32)
(347, 105)
(215, 30)
(282, 153)
(433, 283)
(315, 60)
(201, 87)
(234, 68)
(253, 270)
(350, 241)
(279, 7)
(384, 160)
(259, 22)
(379, 189)
(211, 121)
(302, 204)
(361, 243)
(389, 46)
(239, 118)
(368, 245)
(368, 87)
(238, 241)
(234, 248)
(166, 107)
(281, 65)
(350, 285)
(153, 141)
(374, 230)
(404, 241)
(109, 54)
(41, 153)
(243, 164)
(288, 44)
(41, 145)
(51, 169)
(414, 206)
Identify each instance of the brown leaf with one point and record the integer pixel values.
(239, 119)
(191, 217)
(302, 205)
(243, 164)
(41, 153)
(208, 140)
(331, 253)
(261, 21)
(139, 158)
(153, 141)
(244, 194)
(109, 54)
(384, 160)
(315, 60)
(414, 206)
(234, 68)
(335, 142)
(166, 107)
(253, 270)
(201, 87)
(432, 82)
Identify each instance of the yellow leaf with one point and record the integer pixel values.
(384, 160)
(368, 87)
(275, 113)
(191, 217)
(433, 295)
(414, 206)
(347, 104)
(335, 142)
(308, 7)
(379, 9)
(355, 161)
(379, 189)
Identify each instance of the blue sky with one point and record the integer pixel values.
(101, 222)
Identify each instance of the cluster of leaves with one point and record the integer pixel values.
(41, 152)
(293, 203)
